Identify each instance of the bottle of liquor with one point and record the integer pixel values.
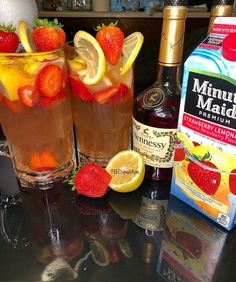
(220, 8)
(155, 112)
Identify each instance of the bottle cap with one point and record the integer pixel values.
(222, 2)
(229, 47)
(176, 3)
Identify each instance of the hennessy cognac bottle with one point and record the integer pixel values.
(220, 8)
(155, 112)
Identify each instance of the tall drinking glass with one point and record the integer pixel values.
(102, 112)
(35, 115)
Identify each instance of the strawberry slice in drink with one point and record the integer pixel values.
(48, 100)
(42, 162)
(29, 95)
(111, 94)
(80, 90)
(122, 91)
(49, 80)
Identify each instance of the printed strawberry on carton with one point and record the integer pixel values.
(208, 180)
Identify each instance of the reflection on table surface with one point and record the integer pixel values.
(56, 235)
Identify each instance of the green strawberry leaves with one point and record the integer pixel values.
(71, 181)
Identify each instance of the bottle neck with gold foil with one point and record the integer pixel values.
(219, 11)
(172, 36)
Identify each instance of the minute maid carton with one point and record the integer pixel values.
(204, 174)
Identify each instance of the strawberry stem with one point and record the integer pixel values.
(7, 28)
(71, 181)
(46, 23)
(102, 25)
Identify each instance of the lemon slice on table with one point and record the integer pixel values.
(25, 33)
(127, 171)
(90, 52)
(131, 47)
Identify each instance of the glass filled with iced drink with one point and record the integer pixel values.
(35, 114)
(101, 78)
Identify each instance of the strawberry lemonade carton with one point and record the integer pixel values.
(204, 174)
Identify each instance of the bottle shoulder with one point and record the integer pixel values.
(157, 103)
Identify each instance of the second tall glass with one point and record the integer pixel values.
(102, 120)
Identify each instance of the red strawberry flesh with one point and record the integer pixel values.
(232, 182)
(80, 90)
(92, 181)
(8, 39)
(48, 100)
(111, 39)
(28, 95)
(206, 179)
(179, 152)
(49, 80)
(48, 35)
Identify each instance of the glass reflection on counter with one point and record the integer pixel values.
(105, 231)
(191, 246)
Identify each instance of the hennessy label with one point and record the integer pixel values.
(155, 145)
(154, 98)
(152, 214)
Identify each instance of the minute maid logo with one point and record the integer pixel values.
(212, 97)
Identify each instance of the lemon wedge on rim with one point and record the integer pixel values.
(25, 34)
(90, 51)
(131, 47)
(127, 170)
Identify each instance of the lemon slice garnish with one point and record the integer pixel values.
(25, 33)
(90, 51)
(77, 64)
(131, 47)
(127, 171)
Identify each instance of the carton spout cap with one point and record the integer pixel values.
(229, 47)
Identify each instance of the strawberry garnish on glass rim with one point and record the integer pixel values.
(48, 35)
(8, 39)
(91, 180)
(111, 39)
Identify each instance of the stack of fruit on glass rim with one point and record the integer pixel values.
(125, 171)
(101, 75)
(33, 88)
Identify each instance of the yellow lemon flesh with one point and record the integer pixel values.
(188, 144)
(11, 79)
(127, 170)
(131, 47)
(25, 34)
(91, 53)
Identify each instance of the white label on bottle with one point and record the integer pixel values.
(155, 145)
(152, 214)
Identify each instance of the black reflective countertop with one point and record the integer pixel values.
(56, 235)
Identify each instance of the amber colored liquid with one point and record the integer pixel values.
(102, 130)
(165, 116)
(39, 130)
(40, 137)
